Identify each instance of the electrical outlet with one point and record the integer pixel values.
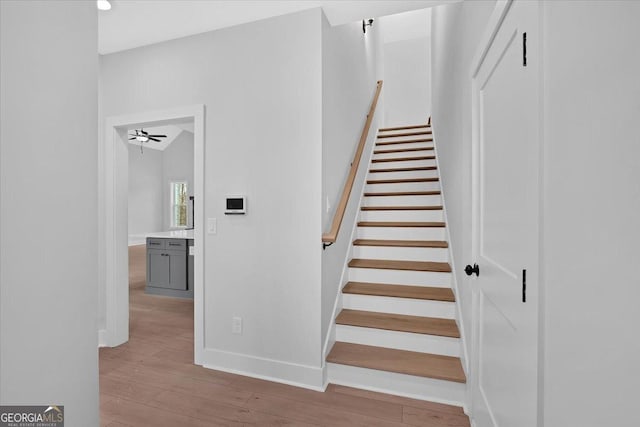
(236, 326)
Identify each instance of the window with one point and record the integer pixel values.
(179, 199)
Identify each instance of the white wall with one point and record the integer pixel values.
(146, 195)
(407, 66)
(349, 75)
(261, 84)
(456, 29)
(48, 220)
(591, 205)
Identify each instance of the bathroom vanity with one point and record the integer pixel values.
(169, 263)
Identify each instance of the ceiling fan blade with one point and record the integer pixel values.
(153, 139)
(143, 132)
(157, 136)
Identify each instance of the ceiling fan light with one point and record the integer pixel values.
(103, 4)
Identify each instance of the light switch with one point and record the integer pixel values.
(236, 326)
(212, 225)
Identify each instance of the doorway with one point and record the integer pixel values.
(115, 235)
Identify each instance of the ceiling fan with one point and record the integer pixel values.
(141, 136)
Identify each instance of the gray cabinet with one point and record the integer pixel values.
(158, 268)
(167, 271)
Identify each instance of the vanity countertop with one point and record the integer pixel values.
(173, 234)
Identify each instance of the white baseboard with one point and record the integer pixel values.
(310, 377)
(102, 338)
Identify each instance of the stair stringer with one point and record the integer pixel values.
(344, 276)
(464, 354)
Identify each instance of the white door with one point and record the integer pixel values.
(506, 154)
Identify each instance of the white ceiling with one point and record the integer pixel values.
(134, 23)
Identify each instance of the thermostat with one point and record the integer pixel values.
(236, 205)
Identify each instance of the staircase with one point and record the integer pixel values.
(397, 331)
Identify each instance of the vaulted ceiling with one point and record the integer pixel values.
(171, 131)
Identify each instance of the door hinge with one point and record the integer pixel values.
(524, 49)
(524, 285)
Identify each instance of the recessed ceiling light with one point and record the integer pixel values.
(103, 4)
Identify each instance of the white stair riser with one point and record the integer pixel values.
(403, 186)
(405, 150)
(430, 200)
(424, 216)
(401, 253)
(425, 152)
(409, 145)
(408, 306)
(391, 132)
(403, 164)
(400, 277)
(404, 138)
(402, 175)
(447, 392)
(401, 233)
(445, 346)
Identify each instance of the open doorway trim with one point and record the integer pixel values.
(114, 261)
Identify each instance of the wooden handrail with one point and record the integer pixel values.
(332, 235)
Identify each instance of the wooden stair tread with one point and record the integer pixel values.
(401, 208)
(392, 264)
(403, 159)
(419, 224)
(406, 141)
(403, 127)
(401, 180)
(399, 135)
(399, 291)
(403, 193)
(400, 361)
(402, 243)
(413, 169)
(403, 150)
(399, 322)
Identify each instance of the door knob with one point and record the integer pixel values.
(472, 270)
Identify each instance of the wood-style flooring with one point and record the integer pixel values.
(151, 381)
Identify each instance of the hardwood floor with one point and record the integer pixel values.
(151, 381)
